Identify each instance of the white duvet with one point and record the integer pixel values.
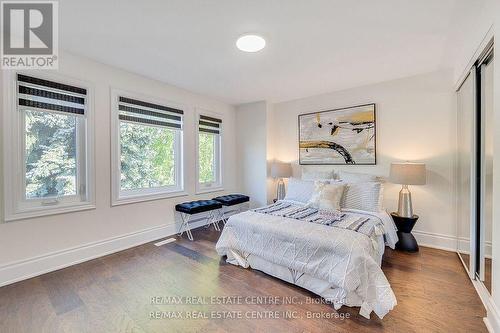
(348, 261)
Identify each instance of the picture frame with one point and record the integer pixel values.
(342, 136)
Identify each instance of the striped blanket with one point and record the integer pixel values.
(337, 219)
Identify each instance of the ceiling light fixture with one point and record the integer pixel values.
(250, 43)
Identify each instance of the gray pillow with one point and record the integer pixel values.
(363, 196)
(299, 190)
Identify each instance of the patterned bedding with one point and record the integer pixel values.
(345, 259)
(337, 219)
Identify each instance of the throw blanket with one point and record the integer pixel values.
(355, 222)
(342, 257)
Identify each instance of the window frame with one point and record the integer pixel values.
(218, 185)
(119, 197)
(17, 207)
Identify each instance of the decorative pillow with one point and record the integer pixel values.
(315, 197)
(327, 196)
(351, 177)
(363, 196)
(317, 175)
(299, 190)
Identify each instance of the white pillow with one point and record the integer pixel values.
(327, 196)
(363, 196)
(351, 177)
(317, 175)
(299, 190)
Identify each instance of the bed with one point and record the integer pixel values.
(336, 255)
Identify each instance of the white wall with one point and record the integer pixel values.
(415, 121)
(271, 152)
(251, 138)
(46, 237)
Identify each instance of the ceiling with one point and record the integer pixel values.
(312, 47)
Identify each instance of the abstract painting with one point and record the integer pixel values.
(340, 136)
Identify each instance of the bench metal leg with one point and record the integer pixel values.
(223, 215)
(216, 217)
(220, 216)
(185, 226)
(212, 218)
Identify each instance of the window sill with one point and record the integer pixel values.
(147, 197)
(34, 213)
(209, 190)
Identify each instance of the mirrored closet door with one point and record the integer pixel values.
(466, 190)
(475, 169)
(486, 162)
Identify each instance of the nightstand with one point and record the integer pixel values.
(407, 241)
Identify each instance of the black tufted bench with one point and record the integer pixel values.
(231, 200)
(188, 209)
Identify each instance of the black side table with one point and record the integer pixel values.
(407, 241)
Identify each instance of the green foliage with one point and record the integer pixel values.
(206, 155)
(50, 154)
(147, 156)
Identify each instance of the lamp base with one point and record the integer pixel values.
(405, 207)
(280, 190)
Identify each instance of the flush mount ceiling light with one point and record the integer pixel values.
(250, 43)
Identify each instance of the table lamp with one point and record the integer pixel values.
(407, 174)
(281, 170)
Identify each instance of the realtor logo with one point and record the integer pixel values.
(29, 34)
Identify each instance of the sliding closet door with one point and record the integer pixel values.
(486, 208)
(466, 171)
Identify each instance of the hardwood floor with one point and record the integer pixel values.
(120, 292)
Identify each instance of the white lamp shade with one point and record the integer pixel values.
(281, 170)
(408, 173)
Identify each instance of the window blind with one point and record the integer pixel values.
(48, 95)
(136, 111)
(209, 124)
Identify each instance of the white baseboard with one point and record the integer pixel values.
(464, 246)
(446, 242)
(25, 269)
(492, 319)
(436, 241)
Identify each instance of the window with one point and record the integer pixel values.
(49, 132)
(209, 154)
(148, 150)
